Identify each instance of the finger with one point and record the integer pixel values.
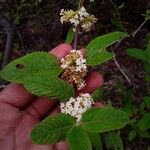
(61, 146)
(39, 108)
(93, 81)
(61, 50)
(99, 104)
(15, 95)
(55, 110)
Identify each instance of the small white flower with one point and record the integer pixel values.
(77, 106)
(78, 18)
(82, 85)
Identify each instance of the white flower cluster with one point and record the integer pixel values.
(75, 69)
(77, 58)
(77, 106)
(80, 17)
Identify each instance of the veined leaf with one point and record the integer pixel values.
(100, 57)
(52, 129)
(95, 141)
(113, 141)
(36, 62)
(144, 123)
(78, 139)
(70, 36)
(147, 101)
(44, 84)
(105, 119)
(103, 41)
(137, 53)
(132, 135)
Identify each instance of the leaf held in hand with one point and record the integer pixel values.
(36, 62)
(43, 84)
(52, 129)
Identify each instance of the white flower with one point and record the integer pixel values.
(77, 106)
(78, 18)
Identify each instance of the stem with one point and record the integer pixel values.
(137, 30)
(81, 2)
(10, 31)
(121, 70)
(76, 39)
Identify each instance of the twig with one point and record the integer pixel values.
(10, 31)
(75, 40)
(20, 37)
(81, 3)
(121, 70)
(137, 30)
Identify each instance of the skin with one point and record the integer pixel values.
(20, 111)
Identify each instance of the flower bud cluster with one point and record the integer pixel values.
(77, 106)
(78, 18)
(74, 69)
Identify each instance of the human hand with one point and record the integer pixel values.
(20, 111)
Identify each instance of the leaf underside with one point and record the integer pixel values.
(38, 72)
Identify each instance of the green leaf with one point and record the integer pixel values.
(147, 101)
(132, 135)
(70, 36)
(42, 84)
(97, 94)
(103, 41)
(100, 57)
(36, 62)
(95, 140)
(147, 77)
(52, 129)
(104, 119)
(78, 139)
(113, 141)
(147, 67)
(137, 53)
(145, 134)
(144, 123)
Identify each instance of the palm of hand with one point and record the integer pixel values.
(20, 111)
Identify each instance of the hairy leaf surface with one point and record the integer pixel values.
(101, 56)
(103, 41)
(43, 84)
(104, 119)
(52, 129)
(36, 62)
